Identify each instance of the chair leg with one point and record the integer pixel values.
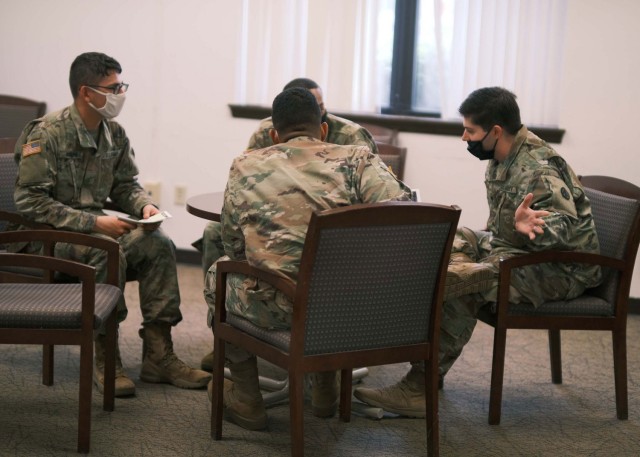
(346, 381)
(620, 372)
(110, 363)
(218, 386)
(497, 375)
(296, 413)
(555, 356)
(47, 364)
(86, 382)
(431, 405)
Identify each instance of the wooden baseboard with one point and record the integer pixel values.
(191, 257)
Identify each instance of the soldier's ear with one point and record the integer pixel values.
(325, 130)
(273, 133)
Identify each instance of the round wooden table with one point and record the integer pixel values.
(207, 206)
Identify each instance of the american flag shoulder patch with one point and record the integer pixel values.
(31, 148)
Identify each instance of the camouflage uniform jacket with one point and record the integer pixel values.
(64, 177)
(341, 131)
(533, 166)
(269, 199)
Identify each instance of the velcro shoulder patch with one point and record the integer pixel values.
(31, 148)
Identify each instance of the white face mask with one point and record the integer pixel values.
(112, 107)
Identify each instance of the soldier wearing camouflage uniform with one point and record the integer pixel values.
(268, 202)
(536, 203)
(70, 162)
(340, 131)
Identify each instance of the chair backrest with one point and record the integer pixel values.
(394, 157)
(381, 267)
(8, 173)
(16, 112)
(617, 221)
(381, 134)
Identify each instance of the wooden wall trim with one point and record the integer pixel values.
(411, 124)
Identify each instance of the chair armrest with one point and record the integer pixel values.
(86, 274)
(72, 268)
(50, 237)
(551, 256)
(16, 218)
(284, 285)
(506, 265)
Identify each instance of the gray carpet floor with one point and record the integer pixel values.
(576, 418)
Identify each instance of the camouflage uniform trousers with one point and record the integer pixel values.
(252, 299)
(212, 248)
(459, 316)
(151, 256)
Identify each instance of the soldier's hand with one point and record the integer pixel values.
(529, 221)
(147, 212)
(112, 226)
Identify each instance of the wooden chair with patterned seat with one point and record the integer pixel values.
(369, 292)
(16, 112)
(52, 313)
(615, 206)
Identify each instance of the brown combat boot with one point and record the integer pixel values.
(161, 365)
(324, 394)
(124, 385)
(405, 398)
(242, 398)
(207, 362)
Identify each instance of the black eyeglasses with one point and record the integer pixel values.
(114, 88)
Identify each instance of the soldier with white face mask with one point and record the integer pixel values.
(70, 162)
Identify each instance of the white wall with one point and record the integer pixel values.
(180, 59)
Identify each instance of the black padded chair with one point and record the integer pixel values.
(616, 211)
(51, 313)
(369, 292)
(16, 112)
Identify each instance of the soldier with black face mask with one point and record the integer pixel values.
(536, 203)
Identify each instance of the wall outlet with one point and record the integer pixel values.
(153, 188)
(180, 195)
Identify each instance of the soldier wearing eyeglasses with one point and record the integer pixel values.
(70, 163)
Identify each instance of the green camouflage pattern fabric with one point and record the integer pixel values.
(66, 184)
(341, 131)
(531, 166)
(64, 179)
(268, 202)
(535, 167)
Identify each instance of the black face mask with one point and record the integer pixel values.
(324, 117)
(476, 149)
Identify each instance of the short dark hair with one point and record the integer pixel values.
(295, 109)
(305, 83)
(491, 106)
(89, 68)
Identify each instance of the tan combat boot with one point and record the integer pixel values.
(464, 277)
(124, 385)
(242, 398)
(324, 394)
(161, 365)
(405, 398)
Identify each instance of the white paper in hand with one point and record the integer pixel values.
(158, 217)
